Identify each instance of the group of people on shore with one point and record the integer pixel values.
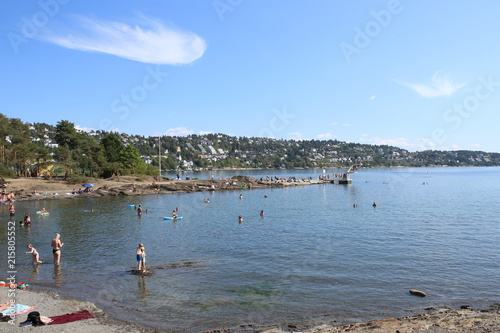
(6, 197)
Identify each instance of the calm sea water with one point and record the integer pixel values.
(313, 258)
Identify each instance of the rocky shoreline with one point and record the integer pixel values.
(431, 320)
(37, 189)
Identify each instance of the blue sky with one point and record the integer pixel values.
(414, 74)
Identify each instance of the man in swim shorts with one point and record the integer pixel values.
(141, 258)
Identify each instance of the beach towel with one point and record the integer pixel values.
(18, 309)
(70, 317)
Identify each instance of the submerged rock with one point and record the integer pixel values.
(417, 293)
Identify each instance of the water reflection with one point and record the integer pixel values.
(35, 272)
(141, 288)
(57, 275)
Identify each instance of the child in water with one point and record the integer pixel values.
(36, 256)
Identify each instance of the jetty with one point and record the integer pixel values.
(344, 178)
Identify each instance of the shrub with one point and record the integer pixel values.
(75, 179)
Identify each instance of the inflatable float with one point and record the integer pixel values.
(172, 218)
(42, 213)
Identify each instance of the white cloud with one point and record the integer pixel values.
(421, 143)
(334, 123)
(373, 97)
(324, 136)
(148, 41)
(178, 131)
(441, 85)
(475, 145)
(204, 132)
(84, 129)
(296, 135)
(347, 125)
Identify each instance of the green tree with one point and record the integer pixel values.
(113, 147)
(66, 134)
(130, 158)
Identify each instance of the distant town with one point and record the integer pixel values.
(27, 147)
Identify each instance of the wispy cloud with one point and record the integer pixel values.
(441, 85)
(178, 131)
(296, 135)
(324, 136)
(334, 123)
(373, 97)
(204, 132)
(420, 144)
(148, 40)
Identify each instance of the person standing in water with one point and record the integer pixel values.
(141, 258)
(139, 210)
(56, 249)
(36, 256)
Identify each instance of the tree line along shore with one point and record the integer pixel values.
(43, 150)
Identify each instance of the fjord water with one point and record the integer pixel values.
(434, 229)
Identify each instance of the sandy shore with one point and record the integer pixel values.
(51, 305)
(431, 320)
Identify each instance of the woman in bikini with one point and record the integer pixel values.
(36, 256)
(56, 249)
